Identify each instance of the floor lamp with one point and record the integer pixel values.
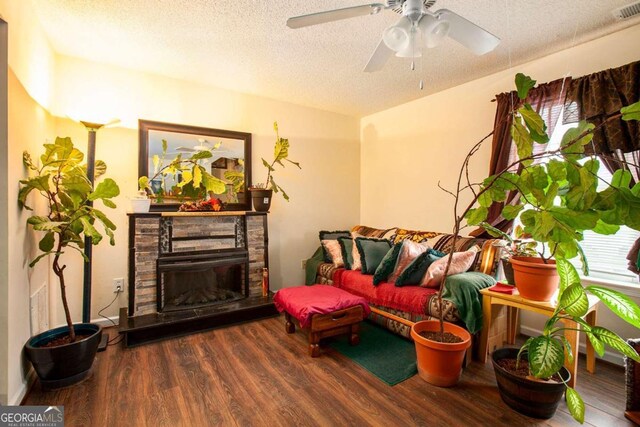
(92, 128)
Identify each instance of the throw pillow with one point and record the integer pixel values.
(409, 251)
(387, 264)
(346, 246)
(357, 259)
(331, 235)
(371, 253)
(462, 261)
(335, 252)
(413, 274)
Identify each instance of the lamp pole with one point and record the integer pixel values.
(92, 128)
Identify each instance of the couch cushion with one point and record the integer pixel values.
(412, 299)
(387, 264)
(331, 235)
(346, 246)
(371, 252)
(413, 274)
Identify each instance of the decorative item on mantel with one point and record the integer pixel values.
(202, 205)
(261, 192)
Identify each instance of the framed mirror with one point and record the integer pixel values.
(230, 156)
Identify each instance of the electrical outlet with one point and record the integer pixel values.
(303, 263)
(118, 285)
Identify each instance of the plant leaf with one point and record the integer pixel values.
(267, 165)
(524, 142)
(524, 84)
(574, 301)
(631, 112)
(511, 211)
(575, 404)
(533, 121)
(197, 176)
(476, 216)
(567, 348)
(39, 257)
(614, 341)
(619, 303)
(546, 356)
(107, 189)
(90, 230)
(46, 244)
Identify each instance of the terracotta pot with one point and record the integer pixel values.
(533, 398)
(440, 363)
(261, 199)
(534, 279)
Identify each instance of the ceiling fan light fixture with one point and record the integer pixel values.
(433, 30)
(397, 36)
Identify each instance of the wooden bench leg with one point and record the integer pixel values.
(354, 338)
(289, 326)
(314, 346)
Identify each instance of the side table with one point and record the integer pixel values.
(516, 302)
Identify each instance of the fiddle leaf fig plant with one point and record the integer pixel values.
(280, 154)
(559, 200)
(194, 179)
(62, 181)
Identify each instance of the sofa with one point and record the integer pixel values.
(391, 304)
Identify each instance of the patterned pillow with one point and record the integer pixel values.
(387, 264)
(413, 235)
(335, 252)
(346, 246)
(462, 261)
(371, 253)
(331, 235)
(413, 274)
(378, 233)
(410, 250)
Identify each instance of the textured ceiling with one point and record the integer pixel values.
(244, 45)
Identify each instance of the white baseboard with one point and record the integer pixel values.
(615, 358)
(104, 322)
(17, 397)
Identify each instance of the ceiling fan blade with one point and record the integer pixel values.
(334, 15)
(186, 149)
(379, 57)
(468, 34)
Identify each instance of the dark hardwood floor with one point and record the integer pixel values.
(256, 374)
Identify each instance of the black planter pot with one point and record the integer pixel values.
(261, 199)
(532, 398)
(66, 364)
(507, 268)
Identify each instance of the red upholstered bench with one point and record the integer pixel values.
(325, 310)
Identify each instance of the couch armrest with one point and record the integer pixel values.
(488, 260)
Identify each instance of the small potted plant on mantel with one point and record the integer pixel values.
(559, 202)
(262, 192)
(64, 355)
(194, 178)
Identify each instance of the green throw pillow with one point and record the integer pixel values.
(413, 274)
(331, 235)
(371, 253)
(346, 244)
(387, 264)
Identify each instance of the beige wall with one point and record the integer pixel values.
(324, 194)
(405, 150)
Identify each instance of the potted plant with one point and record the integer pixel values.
(194, 179)
(559, 201)
(64, 355)
(262, 192)
(518, 246)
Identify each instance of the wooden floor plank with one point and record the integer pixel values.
(256, 374)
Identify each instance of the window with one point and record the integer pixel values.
(607, 255)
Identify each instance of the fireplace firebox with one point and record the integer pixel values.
(195, 280)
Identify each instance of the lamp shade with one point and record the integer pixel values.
(433, 30)
(397, 36)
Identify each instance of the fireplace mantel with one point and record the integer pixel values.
(155, 235)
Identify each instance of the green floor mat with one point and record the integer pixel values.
(386, 355)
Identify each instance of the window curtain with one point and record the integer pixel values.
(595, 98)
(547, 99)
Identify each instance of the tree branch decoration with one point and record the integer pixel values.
(62, 180)
(280, 154)
(559, 201)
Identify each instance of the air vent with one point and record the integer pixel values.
(628, 11)
(398, 5)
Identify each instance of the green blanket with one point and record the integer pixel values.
(463, 290)
(311, 268)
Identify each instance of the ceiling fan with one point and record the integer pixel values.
(417, 27)
(203, 145)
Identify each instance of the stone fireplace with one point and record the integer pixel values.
(191, 271)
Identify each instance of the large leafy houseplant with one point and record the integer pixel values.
(61, 179)
(559, 201)
(280, 154)
(194, 182)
